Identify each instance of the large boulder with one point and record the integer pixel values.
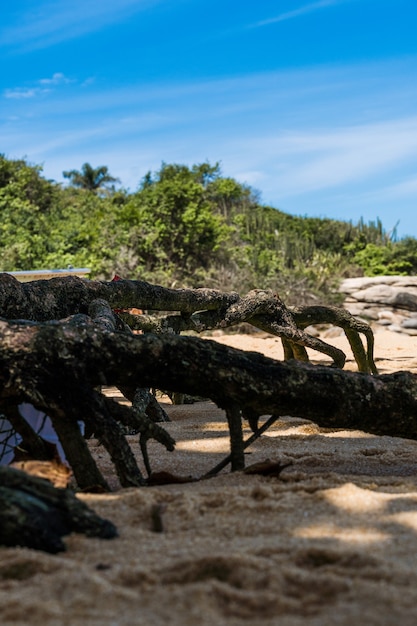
(387, 300)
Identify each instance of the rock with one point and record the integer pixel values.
(410, 331)
(405, 300)
(363, 310)
(411, 322)
(350, 285)
(313, 331)
(335, 331)
(390, 301)
(395, 328)
(377, 293)
(384, 294)
(385, 315)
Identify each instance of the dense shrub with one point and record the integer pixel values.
(187, 227)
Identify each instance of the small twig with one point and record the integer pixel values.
(234, 419)
(215, 470)
(143, 440)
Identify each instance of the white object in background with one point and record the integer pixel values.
(40, 423)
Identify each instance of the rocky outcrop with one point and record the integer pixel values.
(389, 301)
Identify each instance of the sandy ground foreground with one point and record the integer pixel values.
(332, 540)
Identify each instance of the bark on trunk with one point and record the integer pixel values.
(36, 515)
(57, 298)
(201, 309)
(84, 357)
(57, 366)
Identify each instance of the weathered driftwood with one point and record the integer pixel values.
(74, 398)
(200, 309)
(264, 310)
(75, 359)
(57, 298)
(36, 515)
(306, 315)
(59, 366)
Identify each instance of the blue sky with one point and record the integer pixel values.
(313, 103)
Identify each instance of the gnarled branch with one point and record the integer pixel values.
(234, 380)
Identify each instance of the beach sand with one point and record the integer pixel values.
(331, 540)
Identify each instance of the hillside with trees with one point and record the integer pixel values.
(185, 227)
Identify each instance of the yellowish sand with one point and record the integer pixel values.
(332, 540)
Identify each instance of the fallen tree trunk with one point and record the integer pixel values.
(58, 366)
(57, 298)
(200, 309)
(48, 364)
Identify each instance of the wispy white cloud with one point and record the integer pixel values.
(53, 21)
(23, 93)
(303, 10)
(332, 138)
(406, 187)
(39, 88)
(286, 97)
(57, 79)
(301, 163)
(284, 165)
(340, 155)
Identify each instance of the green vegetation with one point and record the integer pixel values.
(90, 178)
(185, 227)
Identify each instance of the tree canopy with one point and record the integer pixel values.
(90, 178)
(185, 226)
